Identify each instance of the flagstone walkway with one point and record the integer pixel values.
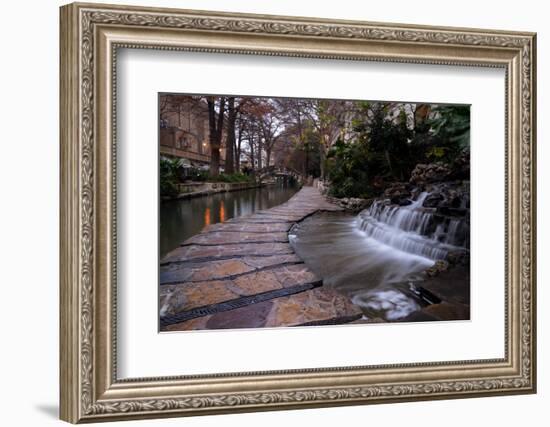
(243, 273)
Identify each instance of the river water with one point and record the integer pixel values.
(181, 219)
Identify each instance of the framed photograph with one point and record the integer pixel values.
(267, 212)
(310, 212)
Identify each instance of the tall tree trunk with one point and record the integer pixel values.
(230, 141)
(238, 149)
(215, 122)
(251, 143)
(259, 155)
(322, 159)
(267, 157)
(215, 162)
(303, 144)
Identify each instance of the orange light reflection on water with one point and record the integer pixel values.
(222, 211)
(207, 217)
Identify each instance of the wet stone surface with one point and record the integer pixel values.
(195, 252)
(317, 304)
(252, 316)
(220, 238)
(247, 263)
(248, 228)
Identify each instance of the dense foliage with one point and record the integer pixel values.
(233, 177)
(451, 130)
(169, 176)
(172, 173)
(386, 146)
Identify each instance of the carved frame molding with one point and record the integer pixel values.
(90, 37)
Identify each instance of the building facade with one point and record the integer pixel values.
(185, 131)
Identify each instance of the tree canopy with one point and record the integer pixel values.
(356, 146)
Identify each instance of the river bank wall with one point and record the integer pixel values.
(197, 189)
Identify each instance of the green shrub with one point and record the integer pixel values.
(234, 177)
(200, 175)
(169, 177)
(385, 149)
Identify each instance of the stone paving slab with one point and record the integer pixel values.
(243, 273)
(186, 253)
(219, 238)
(218, 269)
(187, 295)
(318, 304)
(248, 227)
(257, 220)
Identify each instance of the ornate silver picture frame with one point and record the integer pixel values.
(91, 35)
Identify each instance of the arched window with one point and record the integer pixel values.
(182, 142)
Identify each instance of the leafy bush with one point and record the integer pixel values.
(234, 177)
(169, 176)
(379, 152)
(348, 171)
(195, 174)
(451, 130)
(386, 149)
(172, 173)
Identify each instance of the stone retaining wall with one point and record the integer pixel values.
(195, 189)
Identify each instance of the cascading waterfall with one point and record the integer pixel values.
(379, 257)
(413, 228)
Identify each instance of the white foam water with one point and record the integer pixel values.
(412, 229)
